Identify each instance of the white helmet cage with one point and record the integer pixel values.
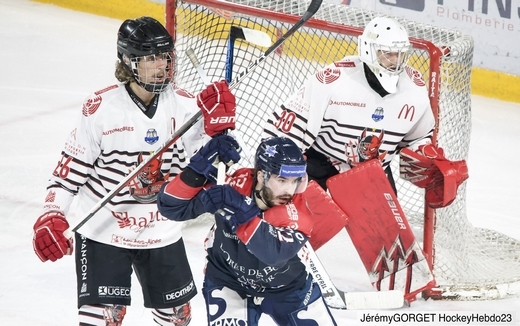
(385, 47)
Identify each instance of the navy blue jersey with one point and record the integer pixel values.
(261, 257)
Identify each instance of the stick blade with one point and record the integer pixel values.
(374, 300)
(256, 37)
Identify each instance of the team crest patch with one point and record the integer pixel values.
(270, 151)
(91, 105)
(378, 114)
(415, 76)
(328, 75)
(151, 136)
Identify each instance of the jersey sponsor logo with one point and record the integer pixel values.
(91, 105)
(345, 64)
(118, 129)
(183, 92)
(106, 89)
(405, 111)
(415, 76)
(328, 75)
(137, 223)
(134, 243)
(378, 115)
(176, 294)
(343, 103)
(51, 196)
(151, 136)
(108, 291)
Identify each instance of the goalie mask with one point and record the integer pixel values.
(145, 47)
(283, 170)
(385, 47)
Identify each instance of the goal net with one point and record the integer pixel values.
(469, 263)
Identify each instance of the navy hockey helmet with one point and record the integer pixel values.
(143, 37)
(281, 156)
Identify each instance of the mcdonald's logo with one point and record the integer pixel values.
(406, 109)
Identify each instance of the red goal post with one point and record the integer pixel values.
(469, 263)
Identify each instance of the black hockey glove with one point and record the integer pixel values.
(319, 167)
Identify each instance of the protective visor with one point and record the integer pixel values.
(292, 179)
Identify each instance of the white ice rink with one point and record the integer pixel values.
(52, 58)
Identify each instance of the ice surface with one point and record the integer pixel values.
(52, 58)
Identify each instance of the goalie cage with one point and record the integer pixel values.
(469, 263)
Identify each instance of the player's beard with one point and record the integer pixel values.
(267, 196)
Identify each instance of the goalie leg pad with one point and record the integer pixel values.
(380, 231)
(327, 218)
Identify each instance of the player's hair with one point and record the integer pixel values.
(123, 74)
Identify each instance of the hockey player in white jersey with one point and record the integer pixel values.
(117, 128)
(370, 106)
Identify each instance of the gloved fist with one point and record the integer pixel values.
(230, 205)
(48, 240)
(223, 147)
(419, 167)
(429, 168)
(218, 106)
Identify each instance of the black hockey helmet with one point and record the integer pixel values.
(146, 38)
(142, 36)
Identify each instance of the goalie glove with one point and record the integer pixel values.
(428, 168)
(218, 106)
(49, 242)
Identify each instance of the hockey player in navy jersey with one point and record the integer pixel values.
(261, 224)
(370, 106)
(117, 128)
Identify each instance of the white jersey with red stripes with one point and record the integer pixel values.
(338, 114)
(111, 137)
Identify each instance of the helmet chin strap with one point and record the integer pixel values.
(258, 192)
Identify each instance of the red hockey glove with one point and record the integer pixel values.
(429, 168)
(49, 241)
(218, 106)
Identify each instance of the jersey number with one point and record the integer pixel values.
(63, 169)
(285, 121)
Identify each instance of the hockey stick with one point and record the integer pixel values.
(311, 10)
(334, 297)
(252, 36)
(338, 299)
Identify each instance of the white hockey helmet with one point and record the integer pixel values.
(385, 47)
